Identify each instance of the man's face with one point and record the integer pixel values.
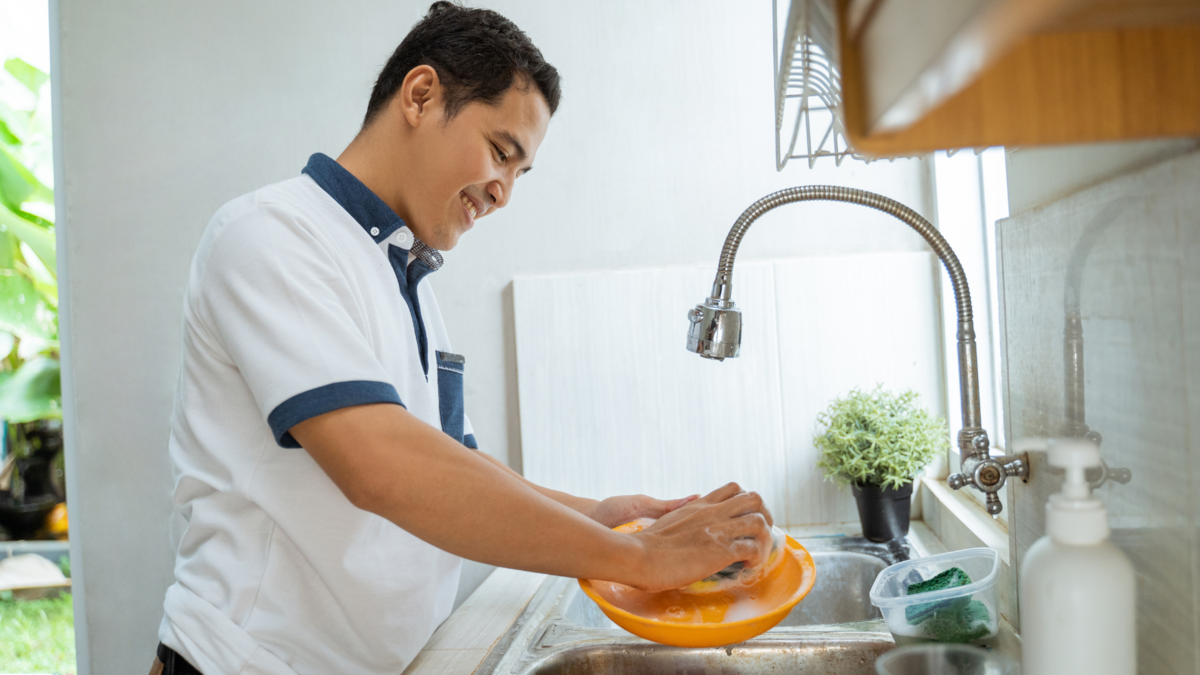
(470, 163)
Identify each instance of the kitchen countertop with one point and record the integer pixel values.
(462, 643)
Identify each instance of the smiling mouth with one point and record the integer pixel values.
(469, 205)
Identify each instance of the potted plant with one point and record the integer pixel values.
(877, 442)
(30, 391)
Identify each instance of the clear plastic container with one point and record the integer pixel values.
(944, 660)
(963, 614)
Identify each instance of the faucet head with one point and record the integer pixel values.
(715, 329)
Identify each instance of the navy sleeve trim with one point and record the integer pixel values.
(469, 441)
(325, 399)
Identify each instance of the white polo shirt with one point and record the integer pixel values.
(303, 298)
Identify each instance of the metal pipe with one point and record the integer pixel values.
(968, 366)
(1075, 391)
(1073, 372)
(715, 330)
(1073, 329)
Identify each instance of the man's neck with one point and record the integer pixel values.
(375, 161)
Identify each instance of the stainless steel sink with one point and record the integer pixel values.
(851, 654)
(834, 630)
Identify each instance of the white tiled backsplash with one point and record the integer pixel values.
(1137, 239)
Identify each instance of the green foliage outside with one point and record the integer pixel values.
(30, 387)
(37, 636)
(878, 437)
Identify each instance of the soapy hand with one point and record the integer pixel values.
(704, 536)
(616, 511)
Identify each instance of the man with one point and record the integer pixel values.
(328, 474)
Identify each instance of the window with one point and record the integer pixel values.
(972, 194)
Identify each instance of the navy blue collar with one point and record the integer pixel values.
(376, 218)
(379, 221)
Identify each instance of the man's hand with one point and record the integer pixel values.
(616, 511)
(704, 536)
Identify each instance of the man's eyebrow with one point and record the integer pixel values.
(518, 149)
(507, 137)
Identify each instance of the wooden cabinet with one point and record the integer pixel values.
(922, 75)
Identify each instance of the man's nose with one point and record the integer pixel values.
(499, 191)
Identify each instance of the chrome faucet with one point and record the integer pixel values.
(715, 330)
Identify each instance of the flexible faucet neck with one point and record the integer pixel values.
(715, 330)
(968, 369)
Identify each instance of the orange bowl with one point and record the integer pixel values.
(707, 619)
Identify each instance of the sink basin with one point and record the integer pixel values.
(833, 631)
(841, 655)
(839, 596)
(842, 591)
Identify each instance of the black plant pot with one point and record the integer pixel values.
(883, 511)
(23, 511)
(22, 518)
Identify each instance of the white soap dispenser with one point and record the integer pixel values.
(1076, 588)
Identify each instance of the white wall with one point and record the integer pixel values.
(1134, 240)
(168, 109)
(1040, 176)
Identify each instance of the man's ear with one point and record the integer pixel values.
(420, 95)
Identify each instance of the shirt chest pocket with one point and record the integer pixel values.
(450, 369)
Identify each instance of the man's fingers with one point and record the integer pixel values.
(750, 551)
(722, 493)
(678, 503)
(760, 540)
(748, 537)
(732, 495)
(746, 503)
(658, 508)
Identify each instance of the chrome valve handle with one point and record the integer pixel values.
(989, 476)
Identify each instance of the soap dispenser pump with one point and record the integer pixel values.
(1076, 588)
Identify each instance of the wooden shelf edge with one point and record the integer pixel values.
(1054, 88)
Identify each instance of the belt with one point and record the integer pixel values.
(173, 663)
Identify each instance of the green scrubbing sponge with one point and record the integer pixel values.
(951, 578)
(958, 624)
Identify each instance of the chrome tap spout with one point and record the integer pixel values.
(715, 326)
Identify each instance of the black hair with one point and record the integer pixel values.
(477, 54)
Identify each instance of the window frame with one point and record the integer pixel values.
(971, 195)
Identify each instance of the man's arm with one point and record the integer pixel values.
(387, 461)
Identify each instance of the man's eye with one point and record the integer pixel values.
(500, 153)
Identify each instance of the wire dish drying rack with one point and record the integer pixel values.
(808, 87)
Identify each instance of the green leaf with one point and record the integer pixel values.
(16, 123)
(23, 310)
(33, 392)
(40, 221)
(7, 342)
(29, 76)
(7, 136)
(878, 437)
(36, 237)
(18, 184)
